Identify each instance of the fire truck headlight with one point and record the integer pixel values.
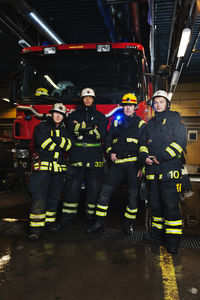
(103, 48)
(49, 50)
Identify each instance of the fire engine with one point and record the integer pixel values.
(60, 72)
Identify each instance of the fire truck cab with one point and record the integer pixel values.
(49, 74)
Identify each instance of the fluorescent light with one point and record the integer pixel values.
(185, 38)
(44, 27)
(6, 99)
(24, 43)
(170, 94)
(51, 82)
(174, 78)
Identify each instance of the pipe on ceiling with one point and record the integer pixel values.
(135, 20)
(24, 9)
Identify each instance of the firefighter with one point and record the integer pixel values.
(166, 140)
(46, 181)
(123, 147)
(87, 126)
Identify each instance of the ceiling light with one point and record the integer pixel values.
(170, 94)
(23, 44)
(45, 27)
(185, 38)
(6, 99)
(174, 78)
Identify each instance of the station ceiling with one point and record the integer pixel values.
(157, 24)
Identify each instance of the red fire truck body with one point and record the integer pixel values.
(111, 69)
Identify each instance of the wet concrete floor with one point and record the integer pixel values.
(67, 266)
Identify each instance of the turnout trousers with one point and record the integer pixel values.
(46, 189)
(115, 174)
(165, 208)
(75, 177)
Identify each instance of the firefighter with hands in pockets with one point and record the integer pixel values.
(46, 183)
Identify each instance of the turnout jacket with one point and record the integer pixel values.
(125, 139)
(87, 126)
(51, 143)
(165, 139)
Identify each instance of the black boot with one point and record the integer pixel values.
(34, 234)
(127, 227)
(98, 226)
(155, 235)
(52, 228)
(172, 245)
(65, 221)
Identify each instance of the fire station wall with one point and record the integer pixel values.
(186, 101)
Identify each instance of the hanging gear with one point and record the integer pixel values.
(41, 91)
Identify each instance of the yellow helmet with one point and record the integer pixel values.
(41, 91)
(129, 98)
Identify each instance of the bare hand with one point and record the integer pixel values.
(149, 161)
(139, 174)
(113, 156)
(155, 161)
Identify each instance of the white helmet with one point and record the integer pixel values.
(87, 92)
(161, 93)
(59, 107)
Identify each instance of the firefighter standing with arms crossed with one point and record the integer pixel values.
(166, 140)
(46, 182)
(123, 147)
(87, 126)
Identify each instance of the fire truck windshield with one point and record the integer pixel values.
(62, 76)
